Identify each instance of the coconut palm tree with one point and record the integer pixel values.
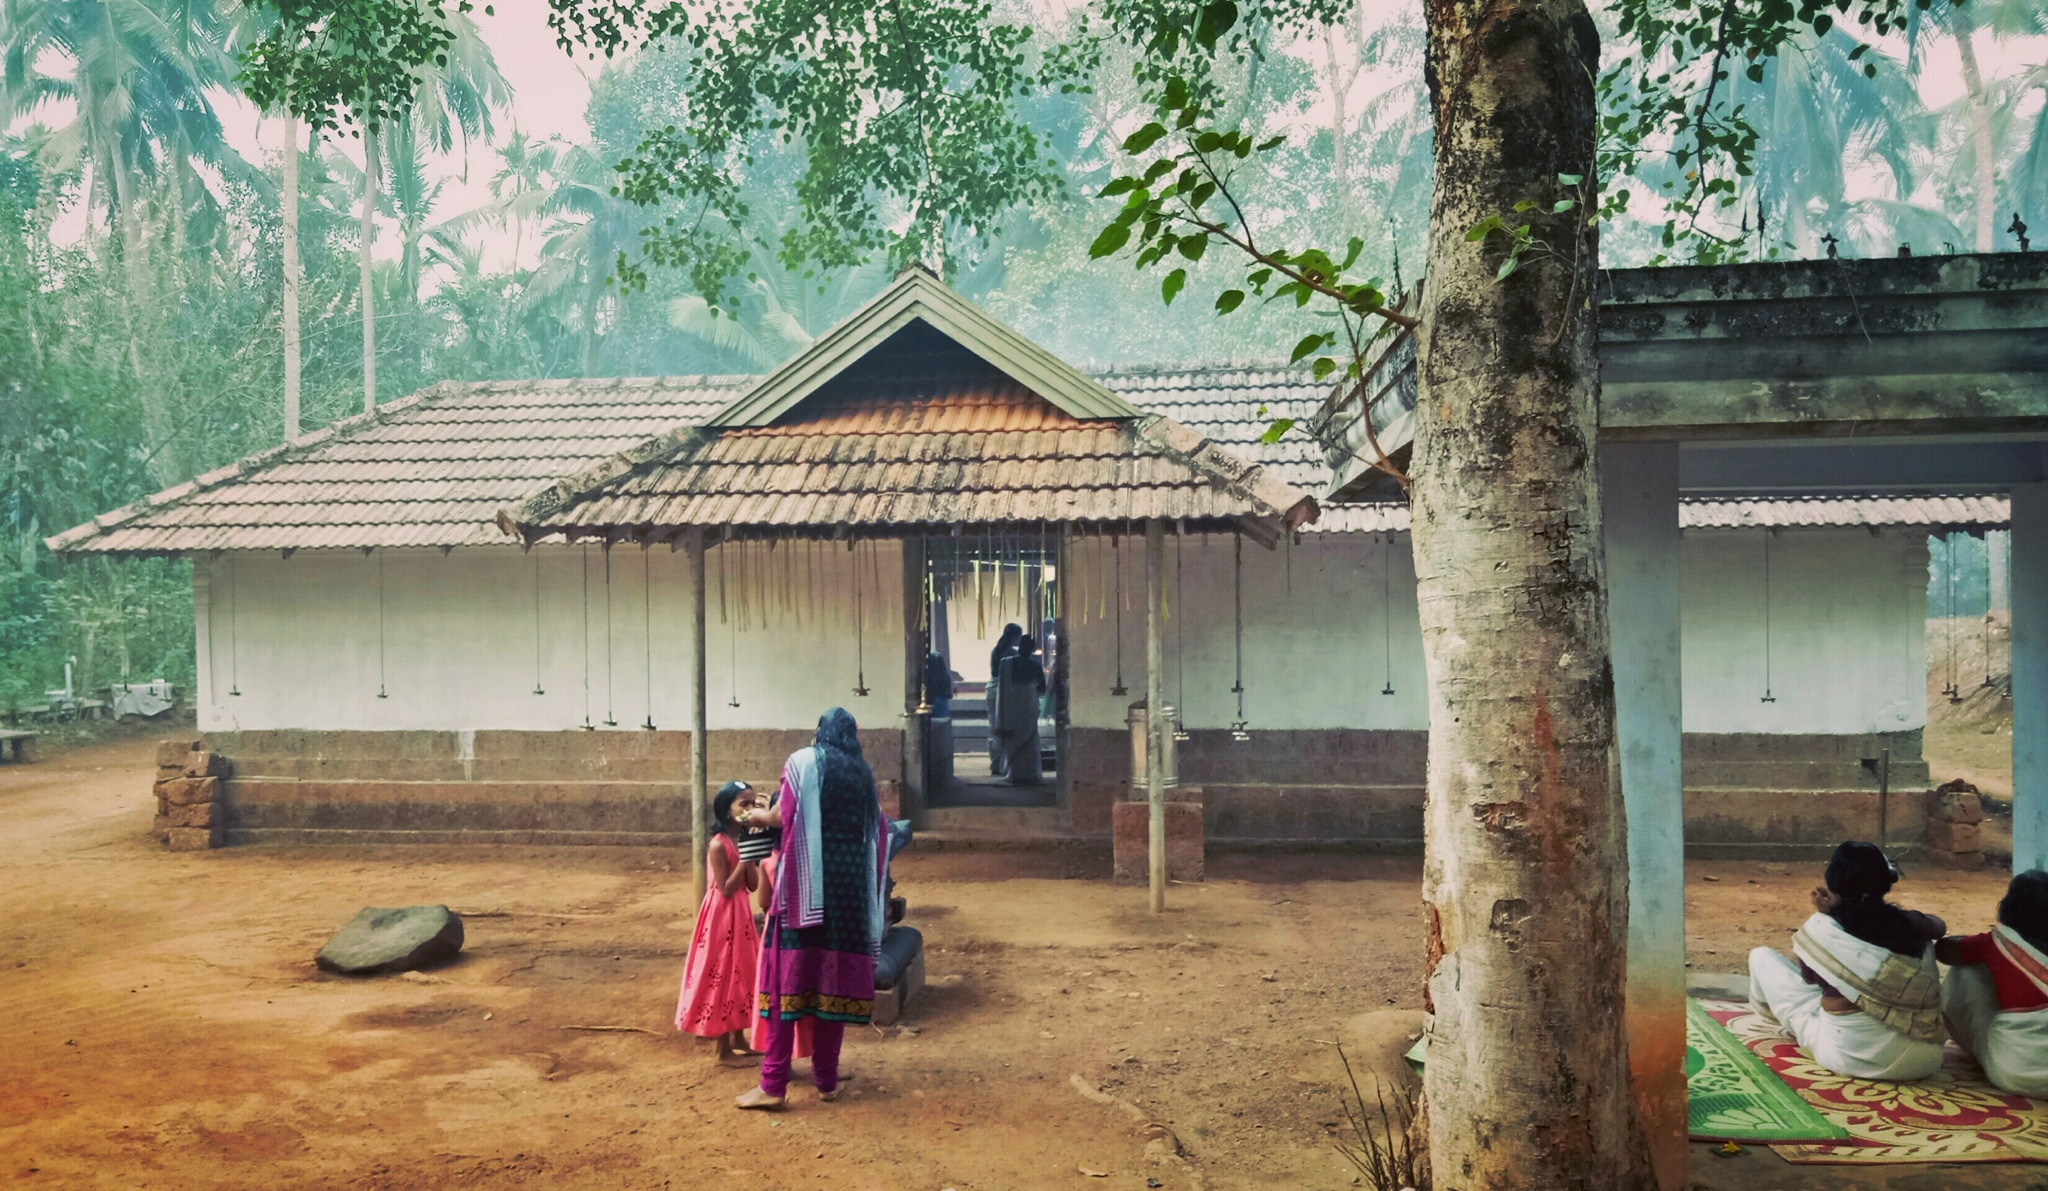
(1989, 111)
(455, 104)
(1818, 116)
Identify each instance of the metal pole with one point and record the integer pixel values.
(693, 547)
(1155, 702)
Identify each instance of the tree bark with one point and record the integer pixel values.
(1525, 877)
(1986, 179)
(293, 277)
(369, 299)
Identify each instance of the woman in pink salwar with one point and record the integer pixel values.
(718, 995)
(824, 926)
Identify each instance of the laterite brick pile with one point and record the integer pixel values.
(188, 777)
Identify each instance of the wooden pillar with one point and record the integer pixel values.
(1063, 777)
(693, 550)
(1155, 720)
(916, 706)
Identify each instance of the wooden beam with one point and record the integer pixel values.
(699, 745)
(1155, 702)
(916, 709)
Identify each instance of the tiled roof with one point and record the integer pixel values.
(432, 469)
(1224, 405)
(1932, 511)
(929, 437)
(1989, 512)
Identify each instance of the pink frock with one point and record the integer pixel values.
(725, 958)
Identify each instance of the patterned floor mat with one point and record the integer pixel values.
(1955, 1116)
(1732, 1096)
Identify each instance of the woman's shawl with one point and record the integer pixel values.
(2022, 955)
(1904, 994)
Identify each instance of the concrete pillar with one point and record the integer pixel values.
(693, 552)
(2029, 574)
(1155, 720)
(1639, 498)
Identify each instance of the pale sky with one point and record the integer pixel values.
(551, 90)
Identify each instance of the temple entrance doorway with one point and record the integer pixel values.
(996, 740)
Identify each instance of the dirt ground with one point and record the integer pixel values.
(162, 1024)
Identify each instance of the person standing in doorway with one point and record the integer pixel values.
(824, 928)
(992, 699)
(1023, 691)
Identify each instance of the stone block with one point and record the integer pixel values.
(197, 814)
(189, 839)
(203, 762)
(186, 791)
(393, 940)
(165, 773)
(171, 754)
(160, 828)
(1956, 806)
(1131, 836)
(1951, 837)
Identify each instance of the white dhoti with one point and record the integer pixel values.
(2012, 1046)
(1852, 1044)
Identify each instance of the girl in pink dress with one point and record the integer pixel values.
(717, 999)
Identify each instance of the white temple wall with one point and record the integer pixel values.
(462, 647)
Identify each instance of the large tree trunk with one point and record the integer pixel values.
(369, 298)
(1986, 179)
(293, 276)
(1526, 878)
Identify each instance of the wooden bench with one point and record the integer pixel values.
(15, 741)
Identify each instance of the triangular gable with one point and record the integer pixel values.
(913, 296)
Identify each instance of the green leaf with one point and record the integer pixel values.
(1562, 205)
(1526, 205)
(1217, 18)
(1110, 239)
(1174, 283)
(1192, 247)
(1570, 179)
(1279, 427)
(1144, 138)
(1272, 142)
(1324, 366)
(1176, 93)
(1229, 300)
(1482, 229)
(1117, 186)
(1309, 345)
(1508, 266)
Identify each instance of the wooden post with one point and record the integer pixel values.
(1155, 701)
(693, 546)
(916, 645)
(1063, 776)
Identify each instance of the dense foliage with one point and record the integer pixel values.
(767, 192)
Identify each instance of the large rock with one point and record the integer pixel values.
(378, 940)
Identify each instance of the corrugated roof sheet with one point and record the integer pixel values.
(1971, 512)
(943, 441)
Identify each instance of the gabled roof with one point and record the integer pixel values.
(921, 433)
(432, 469)
(917, 296)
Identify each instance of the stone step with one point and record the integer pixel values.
(1036, 820)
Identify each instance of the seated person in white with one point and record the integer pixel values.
(1864, 998)
(1996, 996)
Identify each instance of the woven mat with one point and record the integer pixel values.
(1732, 1096)
(1954, 1116)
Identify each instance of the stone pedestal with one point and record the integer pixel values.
(1953, 815)
(1130, 828)
(187, 791)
